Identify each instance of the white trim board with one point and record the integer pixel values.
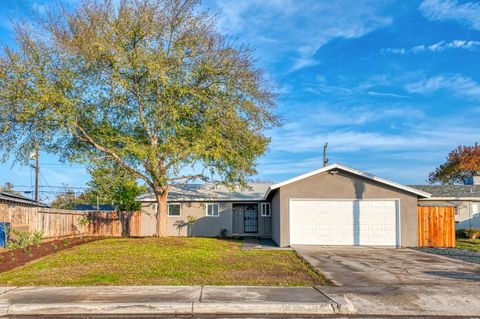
(353, 171)
(450, 198)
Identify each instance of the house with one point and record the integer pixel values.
(465, 198)
(335, 205)
(9, 199)
(95, 208)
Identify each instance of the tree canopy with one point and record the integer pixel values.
(111, 184)
(462, 163)
(149, 85)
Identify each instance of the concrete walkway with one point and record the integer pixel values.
(261, 243)
(169, 300)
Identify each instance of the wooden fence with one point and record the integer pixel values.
(55, 223)
(436, 226)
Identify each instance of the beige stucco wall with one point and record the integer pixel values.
(205, 226)
(275, 202)
(344, 185)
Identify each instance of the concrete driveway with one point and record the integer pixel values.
(398, 281)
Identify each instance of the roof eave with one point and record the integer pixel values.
(353, 171)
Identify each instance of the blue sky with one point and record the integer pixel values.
(392, 86)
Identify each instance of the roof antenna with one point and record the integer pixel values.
(325, 159)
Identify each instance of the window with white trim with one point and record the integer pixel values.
(173, 210)
(265, 210)
(212, 209)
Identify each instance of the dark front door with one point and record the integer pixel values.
(250, 219)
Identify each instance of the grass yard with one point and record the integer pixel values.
(165, 261)
(469, 244)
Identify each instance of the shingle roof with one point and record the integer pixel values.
(19, 199)
(457, 191)
(207, 192)
(90, 207)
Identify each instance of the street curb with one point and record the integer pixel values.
(242, 308)
(195, 308)
(100, 308)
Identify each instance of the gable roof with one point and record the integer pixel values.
(211, 192)
(353, 171)
(450, 191)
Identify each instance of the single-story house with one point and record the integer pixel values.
(10, 199)
(465, 198)
(95, 208)
(334, 205)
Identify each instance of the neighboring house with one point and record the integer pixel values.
(465, 198)
(99, 208)
(10, 199)
(335, 205)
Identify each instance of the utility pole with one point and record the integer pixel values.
(325, 159)
(36, 172)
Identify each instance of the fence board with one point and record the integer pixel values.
(55, 223)
(436, 226)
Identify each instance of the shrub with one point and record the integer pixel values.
(223, 233)
(472, 233)
(23, 239)
(37, 238)
(460, 234)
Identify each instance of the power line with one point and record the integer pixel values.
(54, 186)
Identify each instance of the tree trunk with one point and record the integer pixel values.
(162, 208)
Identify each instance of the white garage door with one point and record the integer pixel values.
(344, 222)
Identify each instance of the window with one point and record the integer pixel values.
(212, 210)
(173, 209)
(265, 210)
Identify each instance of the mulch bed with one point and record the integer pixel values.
(10, 259)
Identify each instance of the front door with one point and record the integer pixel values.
(250, 220)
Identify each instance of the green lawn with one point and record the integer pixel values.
(469, 244)
(165, 261)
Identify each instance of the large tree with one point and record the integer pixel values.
(147, 84)
(110, 183)
(462, 163)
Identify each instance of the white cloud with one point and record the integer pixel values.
(457, 84)
(436, 47)
(294, 30)
(440, 10)
(351, 141)
(388, 94)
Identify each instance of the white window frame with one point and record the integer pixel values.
(263, 212)
(212, 204)
(179, 209)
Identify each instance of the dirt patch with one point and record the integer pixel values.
(10, 259)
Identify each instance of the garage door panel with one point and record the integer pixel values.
(343, 222)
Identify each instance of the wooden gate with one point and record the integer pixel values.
(436, 226)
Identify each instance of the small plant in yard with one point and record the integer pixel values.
(223, 233)
(37, 238)
(24, 239)
(191, 220)
(471, 233)
(66, 242)
(83, 221)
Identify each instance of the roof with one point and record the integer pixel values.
(450, 191)
(90, 207)
(19, 199)
(353, 171)
(211, 192)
